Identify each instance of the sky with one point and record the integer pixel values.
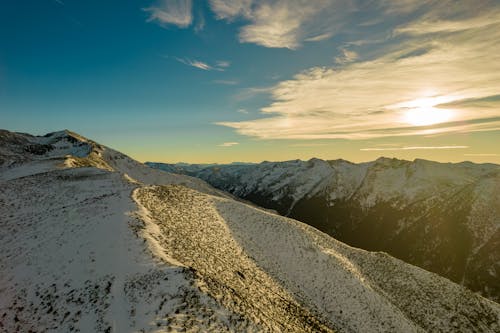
(220, 81)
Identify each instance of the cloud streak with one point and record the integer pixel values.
(482, 155)
(228, 144)
(226, 82)
(415, 148)
(219, 66)
(439, 73)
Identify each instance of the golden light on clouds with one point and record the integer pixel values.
(425, 116)
(423, 111)
(436, 74)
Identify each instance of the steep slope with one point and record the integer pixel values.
(442, 217)
(256, 257)
(92, 244)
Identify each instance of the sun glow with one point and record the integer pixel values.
(427, 116)
(423, 112)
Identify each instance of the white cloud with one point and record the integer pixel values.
(283, 23)
(228, 144)
(219, 66)
(428, 26)
(200, 22)
(319, 38)
(250, 92)
(171, 12)
(415, 148)
(346, 56)
(223, 64)
(226, 82)
(227, 9)
(195, 63)
(275, 25)
(429, 70)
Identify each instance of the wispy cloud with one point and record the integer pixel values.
(195, 63)
(226, 82)
(414, 148)
(250, 92)
(283, 23)
(346, 56)
(203, 65)
(228, 144)
(222, 64)
(400, 7)
(437, 74)
(320, 37)
(305, 145)
(244, 111)
(171, 12)
(225, 9)
(482, 155)
(200, 21)
(433, 26)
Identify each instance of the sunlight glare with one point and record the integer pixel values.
(422, 112)
(427, 116)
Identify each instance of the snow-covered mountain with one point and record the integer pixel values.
(443, 217)
(93, 241)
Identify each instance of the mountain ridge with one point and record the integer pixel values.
(387, 205)
(108, 244)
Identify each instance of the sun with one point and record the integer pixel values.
(422, 112)
(427, 116)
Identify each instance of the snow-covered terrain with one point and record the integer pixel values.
(93, 241)
(443, 217)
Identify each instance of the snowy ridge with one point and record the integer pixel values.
(94, 242)
(232, 242)
(72, 263)
(65, 149)
(382, 180)
(444, 217)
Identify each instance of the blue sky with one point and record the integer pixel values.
(252, 80)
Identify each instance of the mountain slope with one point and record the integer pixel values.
(442, 217)
(93, 242)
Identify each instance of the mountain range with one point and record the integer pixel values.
(443, 217)
(94, 241)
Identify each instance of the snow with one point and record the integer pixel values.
(484, 218)
(338, 284)
(93, 241)
(71, 261)
(398, 182)
(421, 196)
(347, 179)
(146, 175)
(381, 180)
